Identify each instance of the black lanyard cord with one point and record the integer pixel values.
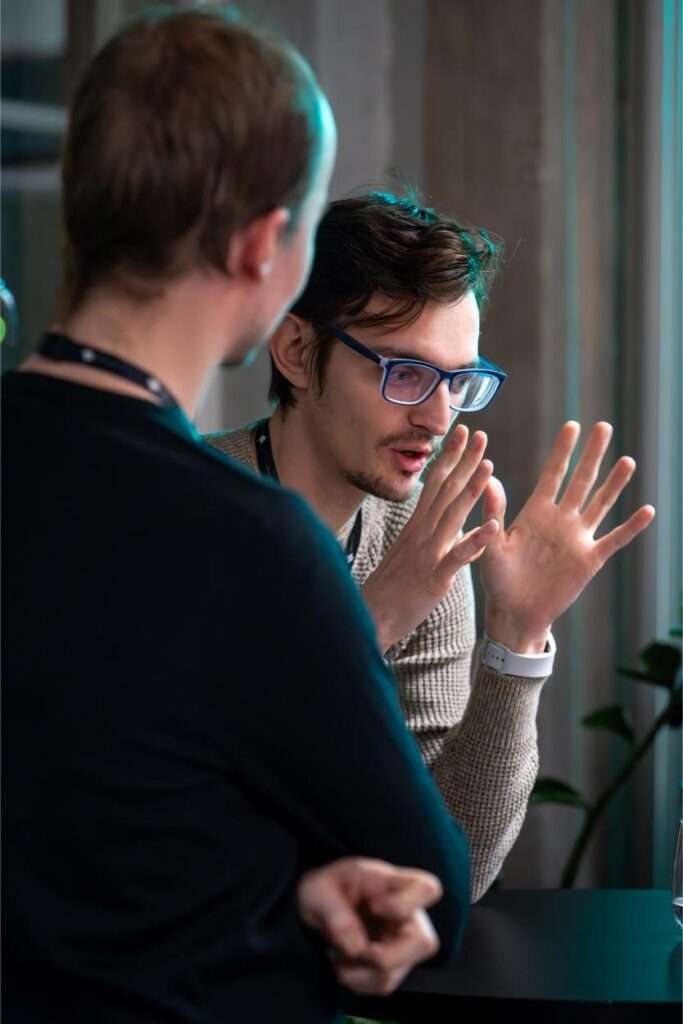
(63, 349)
(267, 467)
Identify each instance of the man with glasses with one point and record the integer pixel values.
(375, 360)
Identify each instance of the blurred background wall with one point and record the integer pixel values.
(557, 125)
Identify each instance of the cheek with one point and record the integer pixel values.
(356, 418)
(346, 421)
(369, 425)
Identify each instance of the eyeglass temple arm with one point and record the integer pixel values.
(356, 346)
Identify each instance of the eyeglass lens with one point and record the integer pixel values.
(410, 384)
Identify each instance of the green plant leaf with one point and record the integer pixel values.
(659, 665)
(613, 719)
(660, 662)
(554, 791)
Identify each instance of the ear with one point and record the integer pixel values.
(252, 250)
(290, 350)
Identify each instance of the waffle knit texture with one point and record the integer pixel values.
(476, 730)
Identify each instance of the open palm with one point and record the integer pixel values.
(534, 570)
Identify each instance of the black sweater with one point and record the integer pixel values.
(194, 712)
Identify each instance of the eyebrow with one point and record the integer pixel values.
(392, 353)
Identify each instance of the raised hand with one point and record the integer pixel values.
(372, 914)
(419, 569)
(535, 569)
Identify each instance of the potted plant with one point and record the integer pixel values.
(660, 665)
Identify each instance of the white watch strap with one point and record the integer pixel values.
(533, 666)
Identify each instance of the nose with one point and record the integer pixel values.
(434, 415)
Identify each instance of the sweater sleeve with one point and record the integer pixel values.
(481, 742)
(326, 736)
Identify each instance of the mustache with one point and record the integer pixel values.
(405, 440)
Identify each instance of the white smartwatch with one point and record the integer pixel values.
(533, 666)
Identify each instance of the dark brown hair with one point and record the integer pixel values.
(186, 126)
(388, 245)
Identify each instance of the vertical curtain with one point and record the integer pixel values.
(566, 142)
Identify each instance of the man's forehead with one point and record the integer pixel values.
(445, 331)
(463, 312)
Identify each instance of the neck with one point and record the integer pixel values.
(178, 337)
(302, 467)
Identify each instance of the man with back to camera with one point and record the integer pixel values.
(375, 359)
(168, 819)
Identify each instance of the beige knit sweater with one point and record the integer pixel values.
(479, 741)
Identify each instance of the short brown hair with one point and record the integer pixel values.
(389, 245)
(185, 127)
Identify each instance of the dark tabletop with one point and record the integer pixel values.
(552, 955)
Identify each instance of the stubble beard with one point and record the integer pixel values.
(379, 487)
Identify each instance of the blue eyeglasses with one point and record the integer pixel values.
(412, 381)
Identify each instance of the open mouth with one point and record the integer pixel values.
(410, 460)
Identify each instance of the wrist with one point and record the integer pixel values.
(496, 656)
(516, 636)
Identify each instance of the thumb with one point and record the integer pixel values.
(495, 503)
